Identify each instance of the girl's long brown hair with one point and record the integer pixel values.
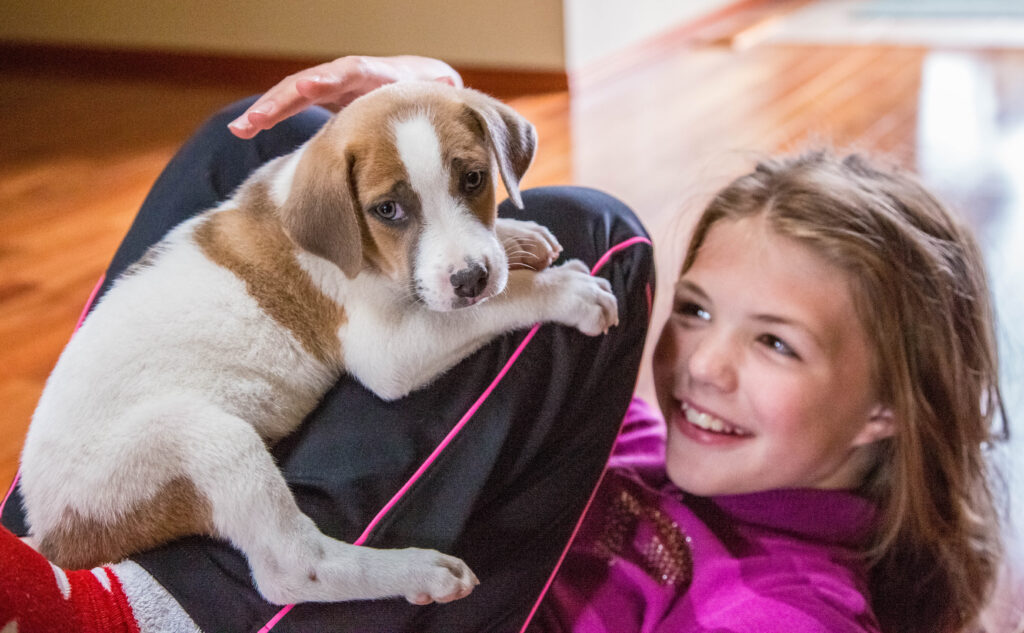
(921, 293)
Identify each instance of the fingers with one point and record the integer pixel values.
(430, 69)
(335, 85)
(278, 103)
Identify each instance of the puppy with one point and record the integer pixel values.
(373, 249)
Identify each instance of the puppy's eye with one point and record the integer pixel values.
(473, 180)
(390, 211)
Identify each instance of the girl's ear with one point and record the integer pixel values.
(880, 425)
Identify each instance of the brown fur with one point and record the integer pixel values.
(321, 213)
(178, 509)
(467, 150)
(250, 242)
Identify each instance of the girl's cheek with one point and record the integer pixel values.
(781, 409)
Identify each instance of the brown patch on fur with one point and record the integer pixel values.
(379, 175)
(177, 510)
(251, 243)
(321, 213)
(465, 148)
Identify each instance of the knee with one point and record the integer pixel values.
(280, 139)
(586, 221)
(583, 204)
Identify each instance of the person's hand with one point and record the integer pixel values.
(336, 84)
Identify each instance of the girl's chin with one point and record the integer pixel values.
(691, 482)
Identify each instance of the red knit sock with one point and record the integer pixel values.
(42, 598)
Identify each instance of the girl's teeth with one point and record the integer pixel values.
(708, 422)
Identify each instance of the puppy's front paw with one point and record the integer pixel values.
(527, 244)
(436, 577)
(582, 300)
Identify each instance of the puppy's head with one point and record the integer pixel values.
(402, 182)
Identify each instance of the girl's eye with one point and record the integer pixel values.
(777, 345)
(390, 211)
(472, 180)
(691, 309)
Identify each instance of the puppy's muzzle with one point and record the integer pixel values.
(469, 282)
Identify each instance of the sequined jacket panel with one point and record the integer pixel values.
(652, 559)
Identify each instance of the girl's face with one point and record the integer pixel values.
(763, 371)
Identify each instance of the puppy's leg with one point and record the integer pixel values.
(422, 344)
(291, 560)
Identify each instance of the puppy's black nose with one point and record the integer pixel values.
(469, 282)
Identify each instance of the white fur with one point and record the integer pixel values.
(179, 373)
(281, 181)
(420, 151)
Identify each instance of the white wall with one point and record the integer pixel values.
(499, 33)
(596, 29)
(521, 34)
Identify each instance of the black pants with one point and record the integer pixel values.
(507, 491)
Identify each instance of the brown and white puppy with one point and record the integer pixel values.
(374, 249)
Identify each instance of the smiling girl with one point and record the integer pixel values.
(829, 380)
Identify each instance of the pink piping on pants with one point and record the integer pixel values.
(459, 426)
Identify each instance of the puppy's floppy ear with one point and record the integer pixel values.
(321, 213)
(512, 138)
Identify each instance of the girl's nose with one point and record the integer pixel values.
(712, 362)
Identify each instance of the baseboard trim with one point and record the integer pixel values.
(507, 83)
(255, 73)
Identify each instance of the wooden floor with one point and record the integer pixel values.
(77, 157)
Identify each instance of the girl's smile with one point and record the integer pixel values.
(763, 371)
(706, 428)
